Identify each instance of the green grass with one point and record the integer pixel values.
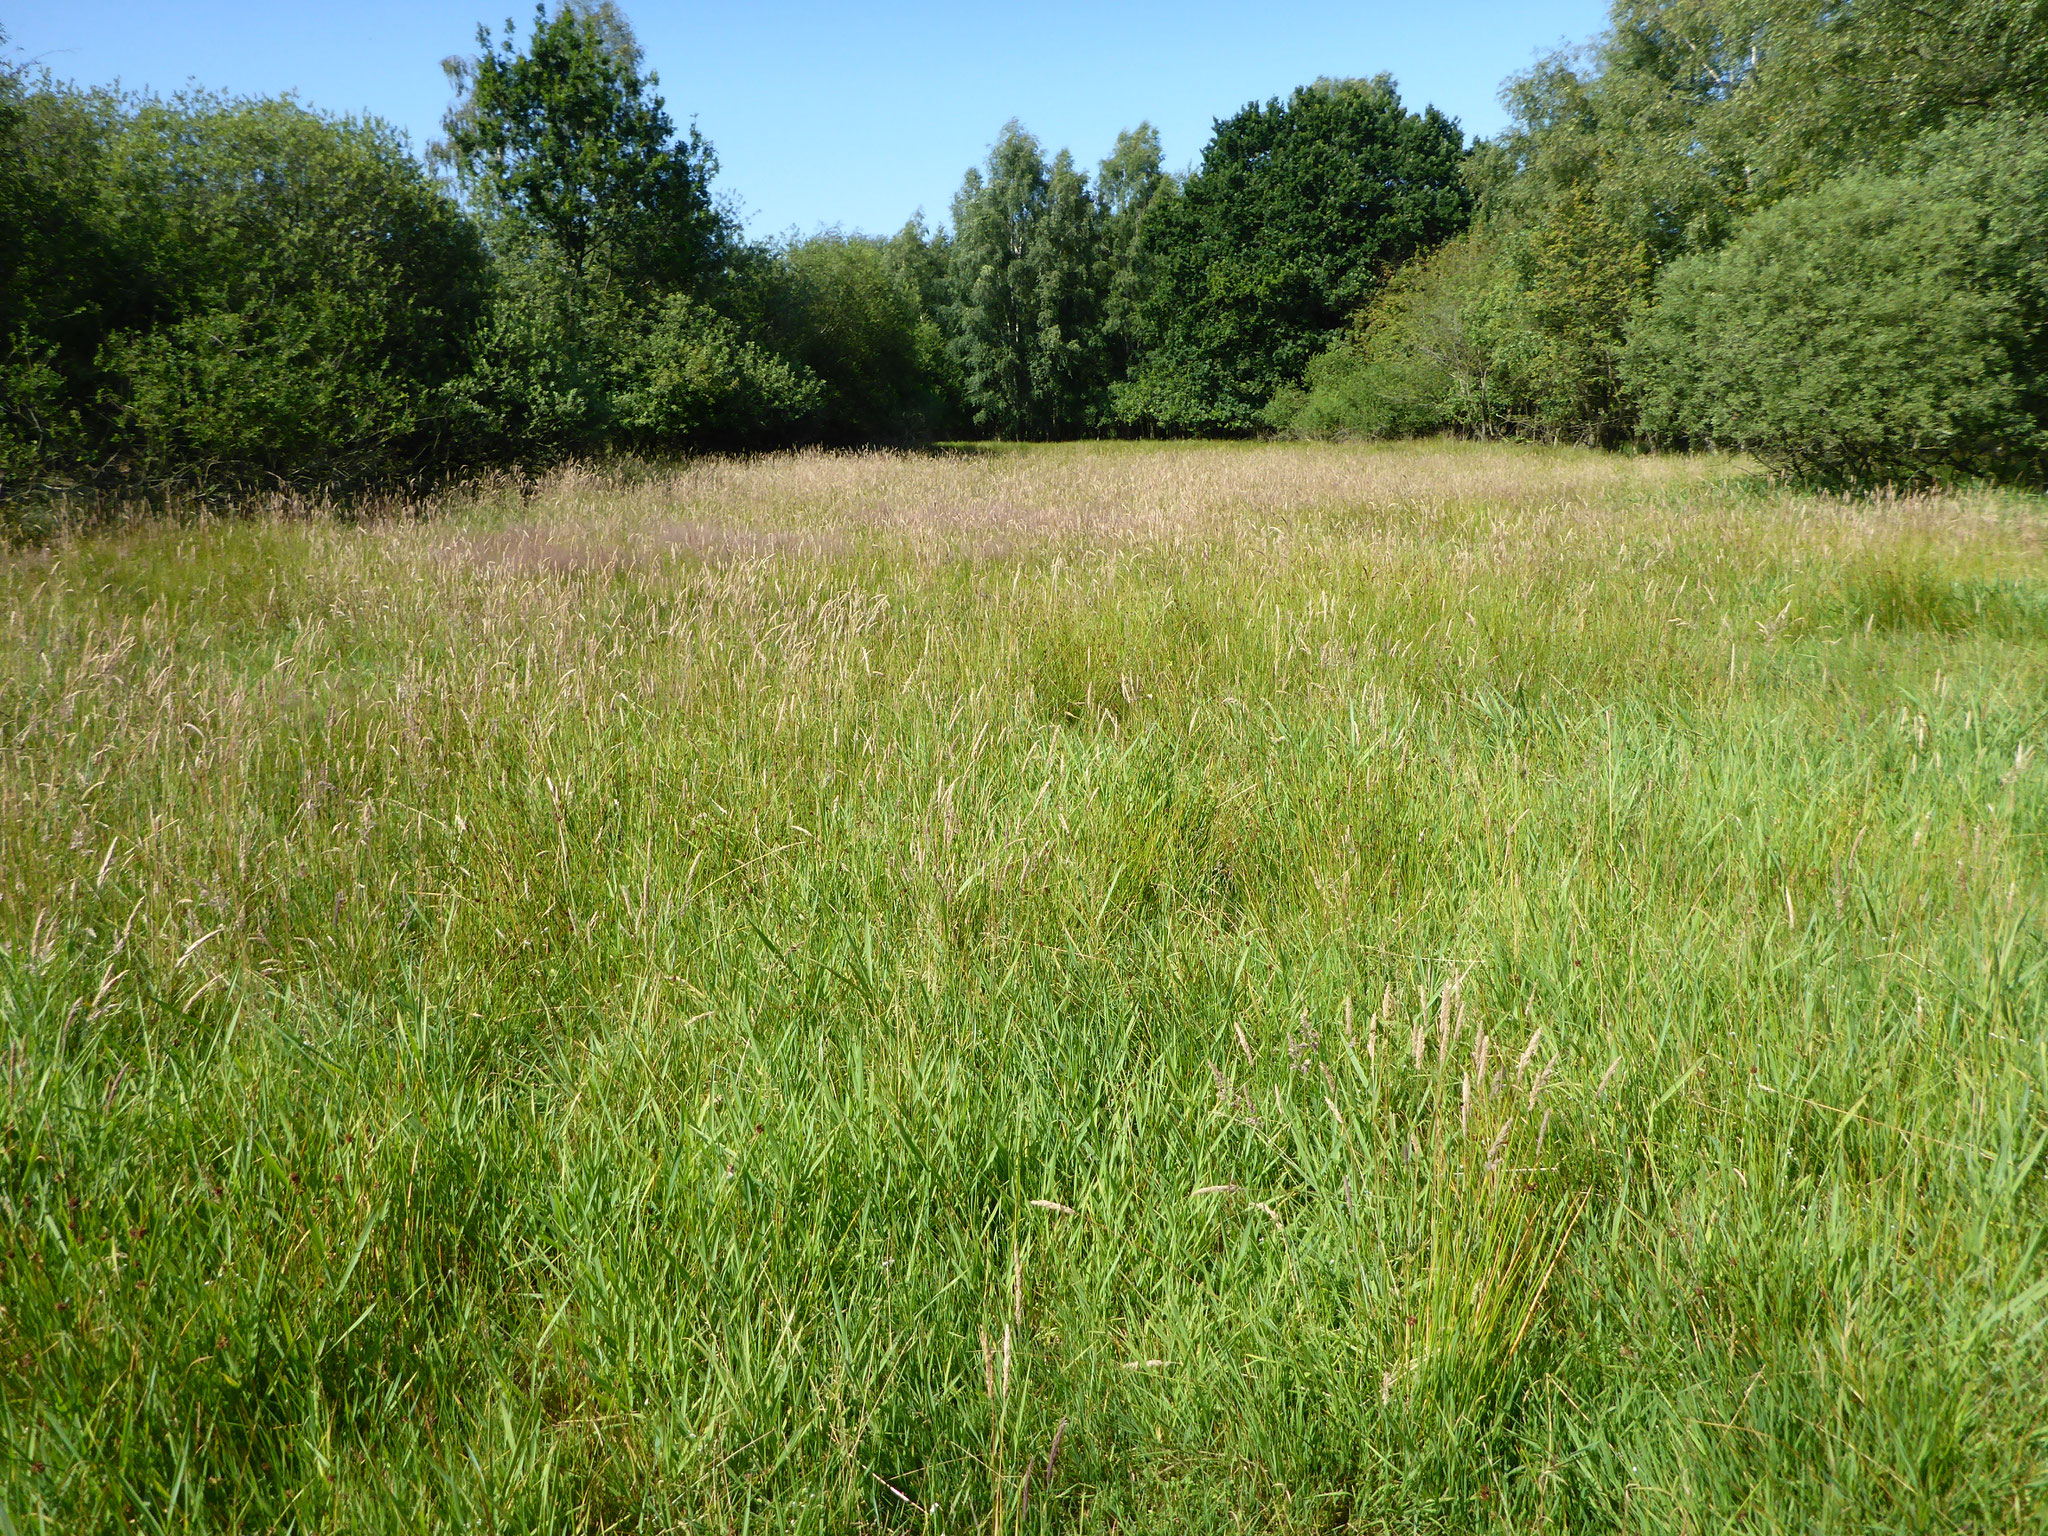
(1431, 988)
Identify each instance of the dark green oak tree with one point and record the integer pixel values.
(1297, 213)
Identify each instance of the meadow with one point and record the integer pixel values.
(1432, 987)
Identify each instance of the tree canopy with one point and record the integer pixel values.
(567, 141)
(218, 292)
(1297, 213)
(1747, 223)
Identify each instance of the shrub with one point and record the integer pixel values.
(561, 371)
(1298, 209)
(694, 378)
(310, 290)
(1436, 351)
(1579, 274)
(1887, 327)
(845, 308)
(64, 276)
(539, 384)
(1493, 333)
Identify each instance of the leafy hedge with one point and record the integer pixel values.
(1884, 328)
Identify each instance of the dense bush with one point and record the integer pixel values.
(62, 280)
(1516, 331)
(1425, 356)
(1884, 343)
(224, 292)
(850, 312)
(694, 378)
(219, 292)
(558, 372)
(1882, 328)
(311, 292)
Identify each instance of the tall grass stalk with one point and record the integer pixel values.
(815, 993)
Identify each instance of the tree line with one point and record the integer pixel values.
(1815, 231)
(1818, 233)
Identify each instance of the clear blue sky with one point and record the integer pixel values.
(837, 114)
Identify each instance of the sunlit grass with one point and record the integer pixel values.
(1437, 987)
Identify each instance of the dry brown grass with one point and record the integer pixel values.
(1495, 502)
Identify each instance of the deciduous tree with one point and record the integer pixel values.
(568, 140)
(1297, 212)
(1028, 283)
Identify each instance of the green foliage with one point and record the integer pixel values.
(1127, 181)
(1437, 350)
(223, 292)
(312, 290)
(1685, 121)
(1884, 328)
(610, 255)
(1028, 278)
(694, 379)
(1581, 275)
(39, 426)
(1129, 186)
(65, 277)
(568, 141)
(1688, 115)
(538, 388)
(853, 313)
(1048, 281)
(563, 370)
(239, 292)
(1296, 214)
(1793, 93)
(1067, 364)
(1494, 333)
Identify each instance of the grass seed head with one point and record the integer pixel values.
(1499, 1141)
(1606, 1077)
(892, 606)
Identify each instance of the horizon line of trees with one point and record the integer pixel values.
(1814, 232)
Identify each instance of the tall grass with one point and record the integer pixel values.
(1142, 988)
